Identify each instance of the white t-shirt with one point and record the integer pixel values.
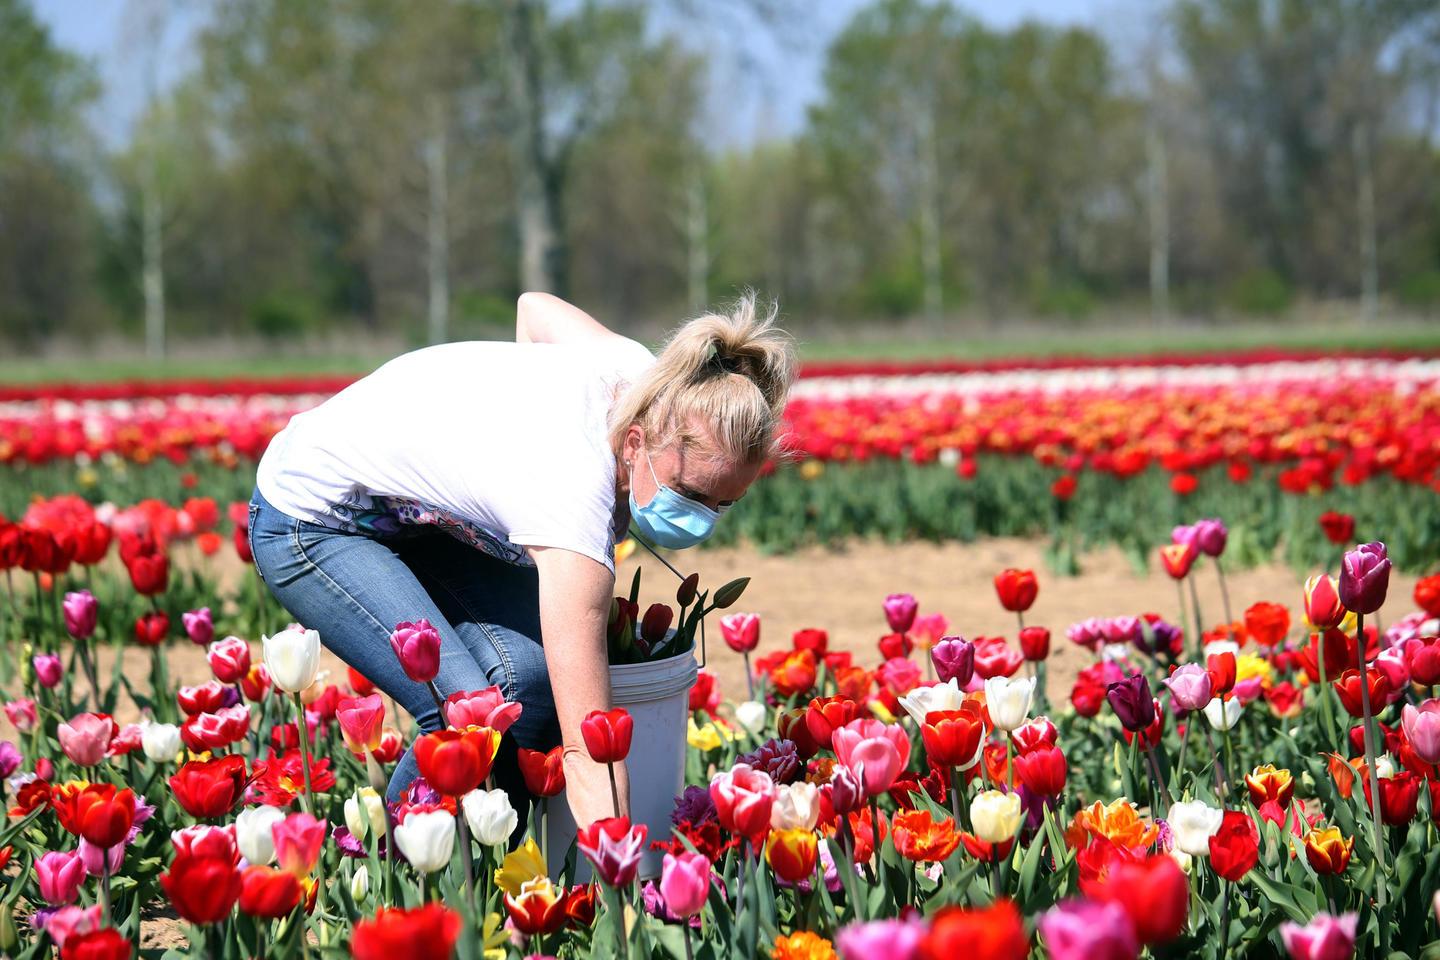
(501, 444)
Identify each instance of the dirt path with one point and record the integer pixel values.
(841, 591)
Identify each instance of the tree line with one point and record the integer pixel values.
(402, 168)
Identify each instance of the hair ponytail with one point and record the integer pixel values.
(730, 372)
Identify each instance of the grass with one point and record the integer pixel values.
(865, 344)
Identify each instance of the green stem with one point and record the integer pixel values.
(304, 738)
(1371, 773)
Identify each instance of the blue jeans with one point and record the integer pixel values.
(354, 588)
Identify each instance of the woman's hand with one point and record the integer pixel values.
(587, 788)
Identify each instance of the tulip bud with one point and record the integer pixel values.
(48, 669)
(688, 589)
(900, 609)
(254, 833)
(741, 631)
(655, 623)
(160, 741)
(360, 883)
(292, 657)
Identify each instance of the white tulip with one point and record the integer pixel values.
(1217, 647)
(1224, 714)
(1186, 862)
(796, 807)
(360, 883)
(926, 700)
(253, 833)
(1384, 767)
(1008, 701)
(491, 817)
(364, 811)
(160, 741)
(1192, 824)
(427, 839)
(293, 658)
(996, 815)
(752, 715)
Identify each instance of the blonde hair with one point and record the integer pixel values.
(730, 371)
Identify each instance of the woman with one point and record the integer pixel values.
(482, 486)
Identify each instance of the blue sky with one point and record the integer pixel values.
(109, 33)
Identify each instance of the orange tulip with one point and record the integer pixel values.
(1267, 783)
(919, 837)
(1327, 851)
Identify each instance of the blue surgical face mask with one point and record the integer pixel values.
(669, 519)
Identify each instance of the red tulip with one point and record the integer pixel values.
(544, 772)
(95, 811)
(952, 737)
(359, 682)
(825, 715)
(996, 932)
(424, 933)
(1347, 688)
(1154, 892)
(1323, 608)
(1267, 623)
(107, 943)
(1063, 488)
(207, 789)
(812, 639)
(1178, 558)
(1339, 528)
(1399, 797)
(1221, 667)
(655, 623)
(1035, 643)
(1016, 589)
(229, 659)
(607, 734)
(454, 762)
(152, 628)
(149, 571)
(1043, 770)
(202, 890)
(1235, 847)
(268, 893)
(743, 800)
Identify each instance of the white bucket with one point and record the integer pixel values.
(657, 694)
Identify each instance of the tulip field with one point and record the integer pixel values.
(1213, 782)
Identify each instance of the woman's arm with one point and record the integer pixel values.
(542, 318)
(575, 596)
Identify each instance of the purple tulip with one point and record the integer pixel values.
(880, 940)
(199, 626)
(1130, 699)
(1086, 930)
(846, 793)
(1211, 536)
(1364, 577)
(10, 759)
(900, 612)
(81, 610)
(778, 758)
(1190, 687)
(48, 669)
(954, 659)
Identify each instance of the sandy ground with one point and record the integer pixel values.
(841, 591)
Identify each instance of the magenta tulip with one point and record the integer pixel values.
(685, 883)
(1086, 930)
(417, 646)
(1325, 937)
(48, 669)
(199, 626)
(80, 609)
(954, 659)
(1364, 578)
(59, 875)
(900, 612)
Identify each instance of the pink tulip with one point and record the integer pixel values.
(95, 857)
(900, 612)
(199, 626)
(22, 714)
(1086, 930)
(929, 629)
(685, 883)
(481, 708)
(1422, 729)
(298, 841)
(80, 610)
(743, 799)
(875, 752)
(48, 669)
(417, 647)
(70, 922)
(229, 659)
(10, 759)
(1190, 687)
(85, 738)
(881, 940)
(741, 631)
(1391, 663)
(59, 875)
(1325, 937)
(362, 720)
(205, 840)
(45, 768)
